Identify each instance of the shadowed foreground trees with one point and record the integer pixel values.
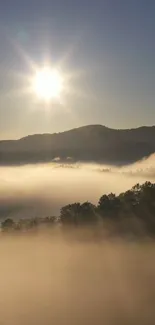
(8, 224)
(109, 206)
(78, 214)
(133, 208)
(27, 224)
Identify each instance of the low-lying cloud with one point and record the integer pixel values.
(48, 280)
(42, 189)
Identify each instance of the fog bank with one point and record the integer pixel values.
(42, 189)
(50, 280)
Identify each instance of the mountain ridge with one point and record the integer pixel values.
(95, 143)
(82, 127)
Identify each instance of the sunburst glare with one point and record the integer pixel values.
(47, 84)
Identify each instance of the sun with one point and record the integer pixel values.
(48, 84)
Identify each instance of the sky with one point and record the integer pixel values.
(106, 47)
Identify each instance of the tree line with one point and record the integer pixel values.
(131, 210)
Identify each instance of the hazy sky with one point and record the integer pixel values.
(107, 45)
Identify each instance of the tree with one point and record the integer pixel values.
(147, 206)
(109, 205)
(88, 213)
(8, 225)
(128, 202)
(78, 214)
(69, 214)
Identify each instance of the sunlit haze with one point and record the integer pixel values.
(42, 189)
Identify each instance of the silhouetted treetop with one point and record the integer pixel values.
(129, 208)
